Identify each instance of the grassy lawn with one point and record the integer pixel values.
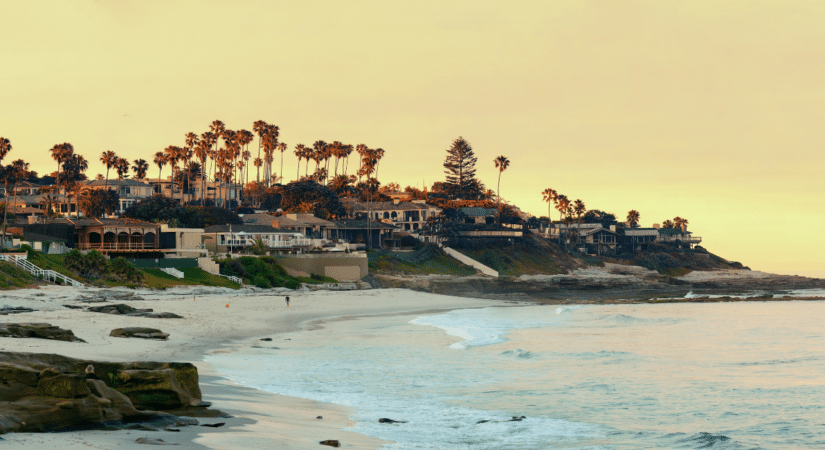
(12, 277)
(53, 262)
(439, 264)
(516, 260)
(155, 278)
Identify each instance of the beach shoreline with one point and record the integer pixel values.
(220, 321)
(217, 320)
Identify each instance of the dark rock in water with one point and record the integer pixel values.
(140, 332)
(320, 417)
(266, 339)
(149, 441)
(73, 306)
(331, 443)
(513, 419)
(385, 420)
(42, 392)
(37, 330)
(213, 425)
(6, 310)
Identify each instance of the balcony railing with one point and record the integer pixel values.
(115, 246)
(268, 243)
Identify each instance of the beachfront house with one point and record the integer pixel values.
(407, 216)
(228, 239)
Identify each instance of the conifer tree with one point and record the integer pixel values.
(460, 167)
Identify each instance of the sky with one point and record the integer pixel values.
(712, 111)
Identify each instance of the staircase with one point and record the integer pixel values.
(48, 275)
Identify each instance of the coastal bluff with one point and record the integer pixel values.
(48, 392)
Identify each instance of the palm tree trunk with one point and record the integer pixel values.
(498, 199)
(282, 168)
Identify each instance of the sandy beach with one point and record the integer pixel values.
(214, 320)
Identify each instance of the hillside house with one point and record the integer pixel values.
(237, 238)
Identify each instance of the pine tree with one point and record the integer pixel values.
(460, 167)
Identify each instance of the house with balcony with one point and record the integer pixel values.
(407, 216)
(129, 191)
(237, 238)
(678, 235)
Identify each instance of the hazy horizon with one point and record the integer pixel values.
(710, 111)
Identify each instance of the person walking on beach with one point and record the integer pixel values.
(287, 302)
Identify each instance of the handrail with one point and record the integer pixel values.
(48, 275)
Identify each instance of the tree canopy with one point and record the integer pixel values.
(460, 167)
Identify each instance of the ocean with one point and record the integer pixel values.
(747, 375)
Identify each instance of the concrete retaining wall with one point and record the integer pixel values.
(342, 267)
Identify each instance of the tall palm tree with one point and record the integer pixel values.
(549, 195)
(579, 209)
(60, 152)
(680, 223)
(108, 159)
(362, 151)
(122, 169)
(260, 127)
(282, 148)
(379, 154)
(202, 152)
(74, 168)
(160, 161)
(299, 152)
(140, 167)
(346, 151)
(502, 163)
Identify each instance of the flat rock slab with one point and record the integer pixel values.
(6, 310)
(37, 330)
(130, 311)
(140, 332)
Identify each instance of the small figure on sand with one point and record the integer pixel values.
(287, 302)
(90, 373)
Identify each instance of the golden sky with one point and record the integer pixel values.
(707, 110)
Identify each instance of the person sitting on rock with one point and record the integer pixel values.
(90, 373)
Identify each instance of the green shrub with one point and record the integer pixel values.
(261, 282)
(292, 284)
(122, 270)
(91, 265)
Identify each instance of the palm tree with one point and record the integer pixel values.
(5, 147)
(362, 151)
(502, 163)
(160, 161)
(202, 152)
(300, 151)
(60, 152)
(579, 209)
(122, 169)
(347, 150)
(260, 127)
(668, 224)
(140, 168)
(108, 159)
(549, 195)
(282, 148)
(74, 168)
(633, 218)
(379, 154)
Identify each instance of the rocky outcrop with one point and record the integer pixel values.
(42, 392)
(140, 332)
(6, 310)
(121, 308)
(37, 330)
